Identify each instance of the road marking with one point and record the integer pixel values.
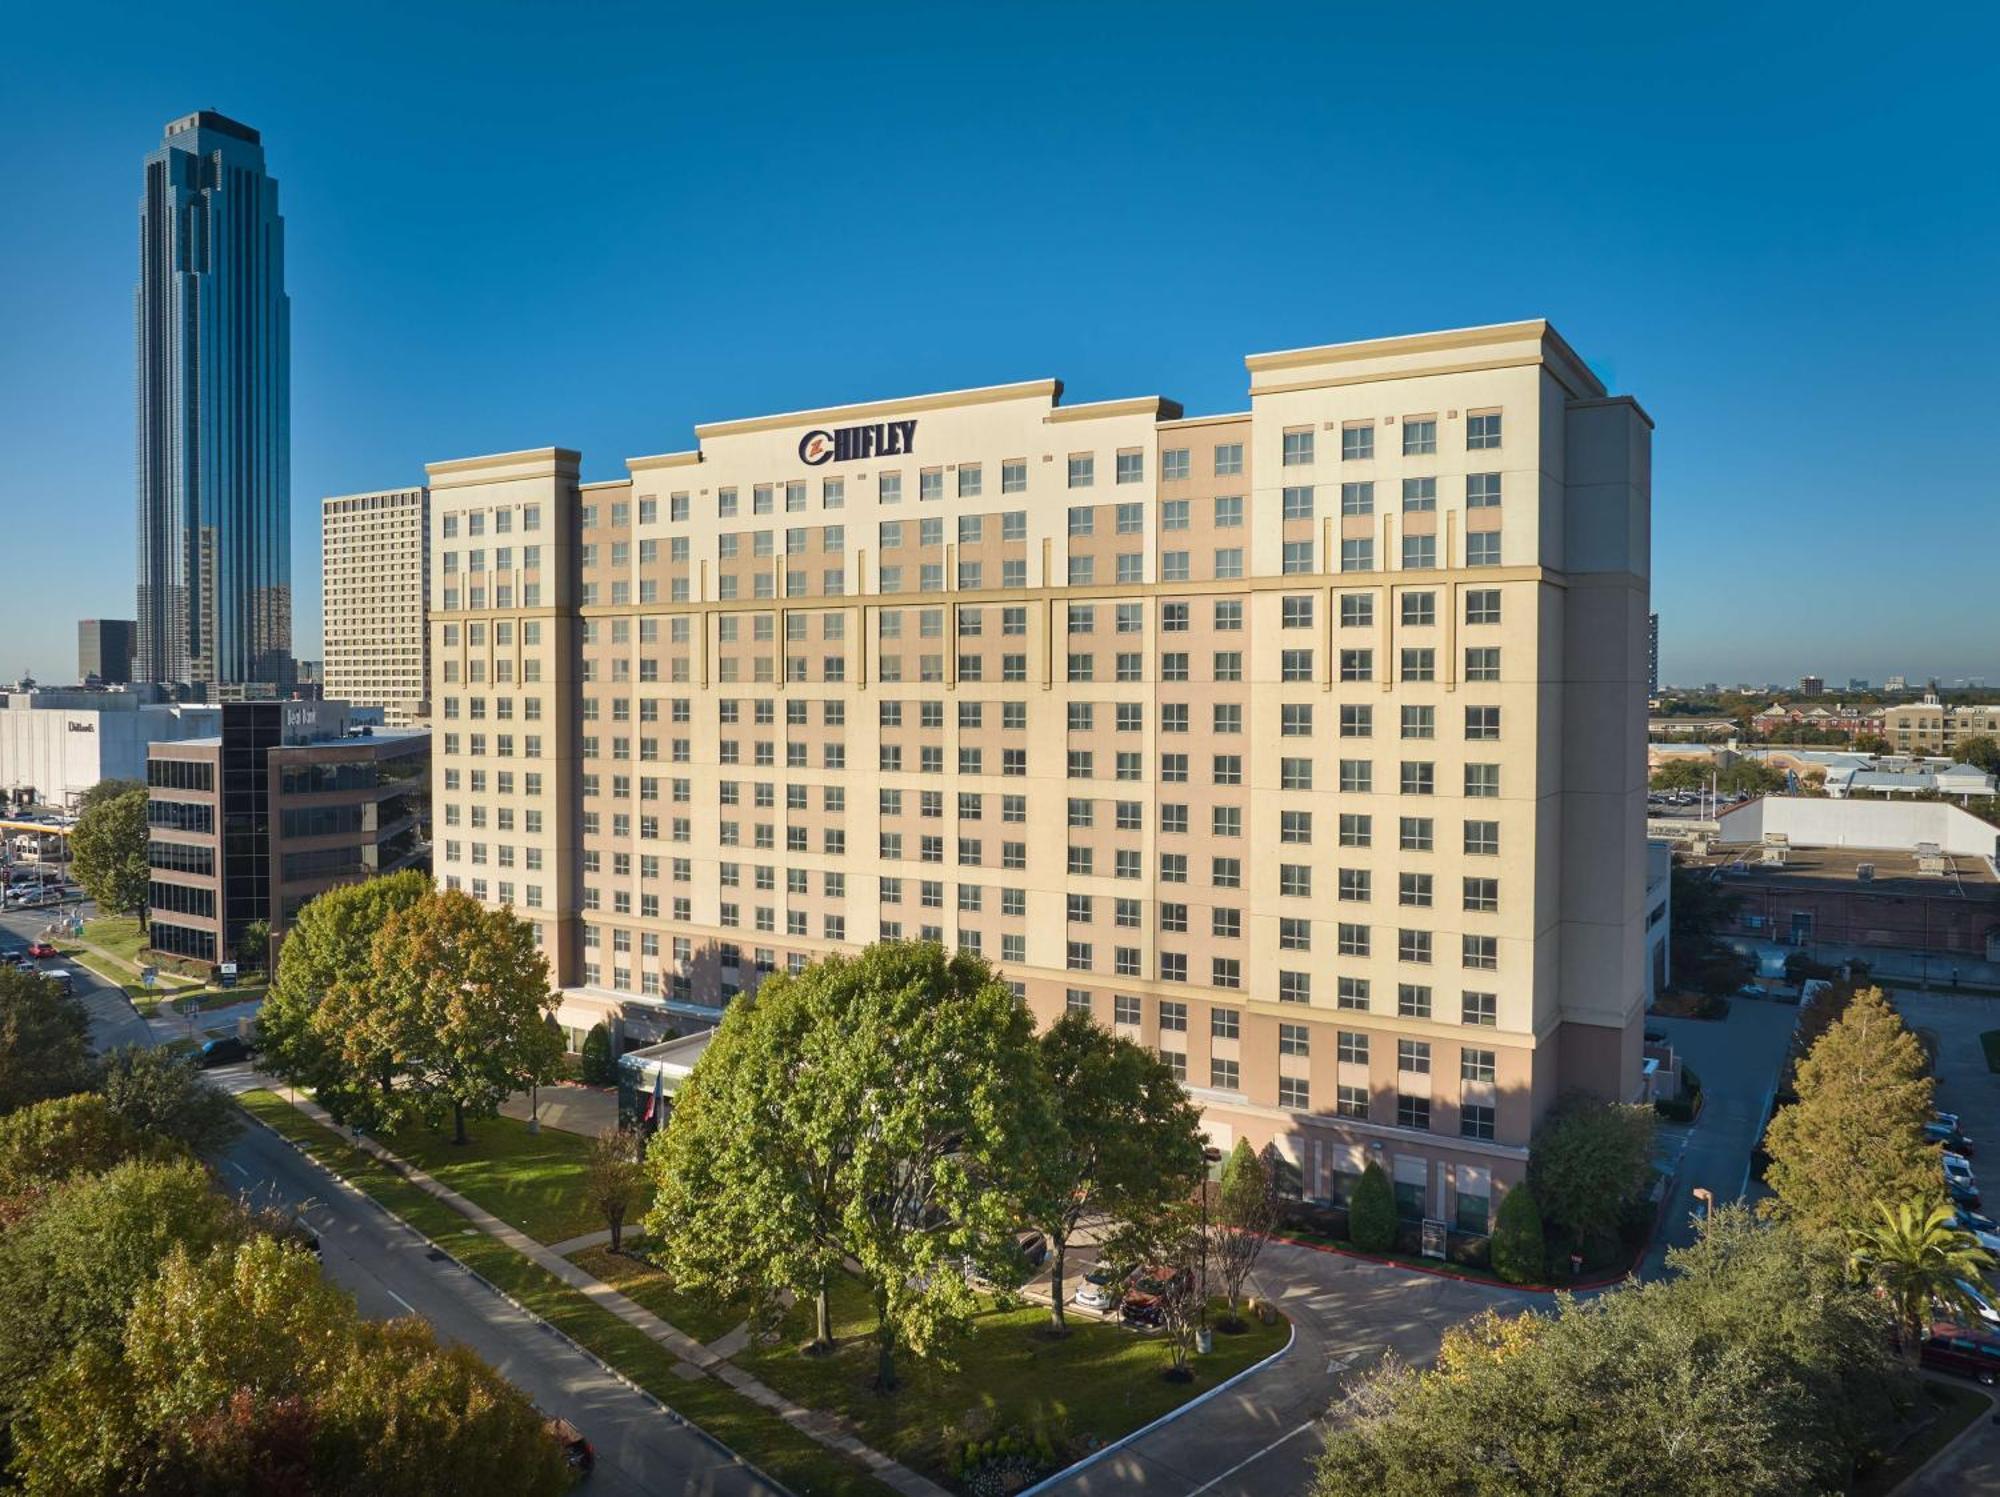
(399, 1299)
(1251, 1460)
(238, 1168)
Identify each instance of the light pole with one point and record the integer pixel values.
(1707, 1198)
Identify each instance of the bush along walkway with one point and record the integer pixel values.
(693, 1360)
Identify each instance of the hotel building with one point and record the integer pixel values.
(375, 566)
(1304, 744)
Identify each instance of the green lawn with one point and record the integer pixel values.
(118, 934)
(1955, 1405)
(1098, 1383)
(533, 1181)
(699, 1316)
(167, 1001)
(1990, 1043)
(792, 1458)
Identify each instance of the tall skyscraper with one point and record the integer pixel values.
(214, 412)
(375, 560)
(104, 649)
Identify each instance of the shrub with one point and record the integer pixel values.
(1519, 1254)
(600, 1066)
(1371, 1214)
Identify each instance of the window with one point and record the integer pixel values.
(1082, 471)
(1298, 449)
(1413, 946)
(1482, 838)
(1228, 459)
(1352, 993)
(1357, 499)
(1420, 664)
(1174, 515)
(1482, 491)
(1482, 548)
(1480, 1009)
(1420, 436)
(1482, 781)
(1229, 512)
(1223, 1075)
(1351, 1101)
(1357, 665)
(1482, 606)
(1413, 1000)
(1482, 663)
(1419, 777)
(1357, 554)
(1131, 467)
(1420, 553)
(1014, 476)
(1414, 890)
(1131, 518)
(1481, 953)
(1416, 834)
(1357, 442)
(1352, 1048)
(1298, 502)
(1482, 724)
(1474, 1121)
(1419, 722)
(1482, 430)
(1293, 1092)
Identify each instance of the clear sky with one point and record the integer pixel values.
(597, 224)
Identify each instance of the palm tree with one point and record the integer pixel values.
(1916, 1259)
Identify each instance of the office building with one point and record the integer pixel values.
(214, 409)
(57, 743)
(1653, 654)
(1930, 726)
(1895, 685)
(104, 649)
(1304, 744)
(375, 557)
(1812, 686)
(289, 800)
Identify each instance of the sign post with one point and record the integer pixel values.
(1434, 1238)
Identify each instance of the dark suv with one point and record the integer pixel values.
(1955, 1348)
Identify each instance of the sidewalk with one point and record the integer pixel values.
(695, 1361)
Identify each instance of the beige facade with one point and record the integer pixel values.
(1305, 745)
(1931, 727)
(375, 561)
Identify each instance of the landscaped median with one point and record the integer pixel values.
(1017, 1390)
(728, 1416)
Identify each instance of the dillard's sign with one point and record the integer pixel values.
(846, 444)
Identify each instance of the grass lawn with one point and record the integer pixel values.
(697, 1315)
(168, 1001)
(1990, 1043)
(761, 1436)
(533, 1181)
(118, 934)
(1955, 1405)
(1099, 1382)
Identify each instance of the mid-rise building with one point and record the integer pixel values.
(1304, 744)
(1812, 686)
(55, 743)
(104, 650)
(375, 558)
(1931, 726)
(288, 800)
(214, 409)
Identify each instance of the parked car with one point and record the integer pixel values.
(1949, 1119)
(1032, 1247)
(1960, 1349)
(41, 950)
(1948, 1135)
(1966, 1197)
(576, 1450)
(1102, 1288)
(1145, 1287)
(1958, 1169)
(221, 1051)
(60, 976)
(1982, 1229)
(1981, 1303)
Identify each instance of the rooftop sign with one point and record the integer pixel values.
(846, 444)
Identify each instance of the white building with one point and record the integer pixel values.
(54, 745)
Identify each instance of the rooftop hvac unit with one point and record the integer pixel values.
(1865, 872)
(1773, 853)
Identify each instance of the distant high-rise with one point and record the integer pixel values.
(214, 412)
(1653, 654)
(375, 555)
(104, 649)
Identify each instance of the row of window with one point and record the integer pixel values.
(503, 521)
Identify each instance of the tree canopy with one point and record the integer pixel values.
(108, 851)
(1855, 1135)
(1589, 1161)
(44, 1041)
(163, 1095)
(46, 1143)
(881, 1108)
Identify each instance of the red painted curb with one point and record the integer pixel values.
(1466, 1278)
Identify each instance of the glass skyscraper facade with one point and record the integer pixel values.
(214, 412)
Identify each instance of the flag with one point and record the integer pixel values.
(659, 1095)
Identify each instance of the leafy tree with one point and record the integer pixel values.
(599, 1065)
(330, 942)
(44, 1041)
(1246, 1214)
(1371, 1211)
(1918, 1258)
(48, 1142)
(70, 1271)
(253, 947)
(1855, 1135)
(1980, 752)
(105, 791)
(614, 1179)
(164, 1095)
(108, 852)
(882, 1109)
(1519, 1254)
(1681, 774)
(1874, 743)
(1124, 1141)
(1759, 1369)
(1588, 1163)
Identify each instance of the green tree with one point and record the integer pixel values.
(1918, 1258)
(1371, 1211)
(331, 942)
(1855, 1134)
(44, 1041)
(1758, 1369)
(1873, 743)
(1588, 1162)
(1681, 774)
(108, 853)
(1245, 1216)
(599, 1066)
(449, 1018)
(882, 1109)
(253, 947)
(46, 1143)
(105, 791)
(164, 1095)
(1124, 1140)
(614, 1180)
(1519, 1254)
(1980, 752)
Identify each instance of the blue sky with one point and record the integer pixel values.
(597, 224)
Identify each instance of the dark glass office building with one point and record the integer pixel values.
(214, 413)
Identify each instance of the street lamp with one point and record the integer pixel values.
(1707, 1198)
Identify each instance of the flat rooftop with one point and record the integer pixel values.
(1895, 870)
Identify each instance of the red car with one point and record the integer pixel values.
(40, 950)
(1955, 1348)
(1141, 1305)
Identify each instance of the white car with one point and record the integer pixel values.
(1980, 1302)
(1102, 1288)
(1958, 1170)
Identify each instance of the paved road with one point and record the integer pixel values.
(385, 1267)
(113, 1020)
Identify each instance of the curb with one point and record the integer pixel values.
(1964, 1436)
(1579, 1287)
(1165, 1419)
(545, 1326)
